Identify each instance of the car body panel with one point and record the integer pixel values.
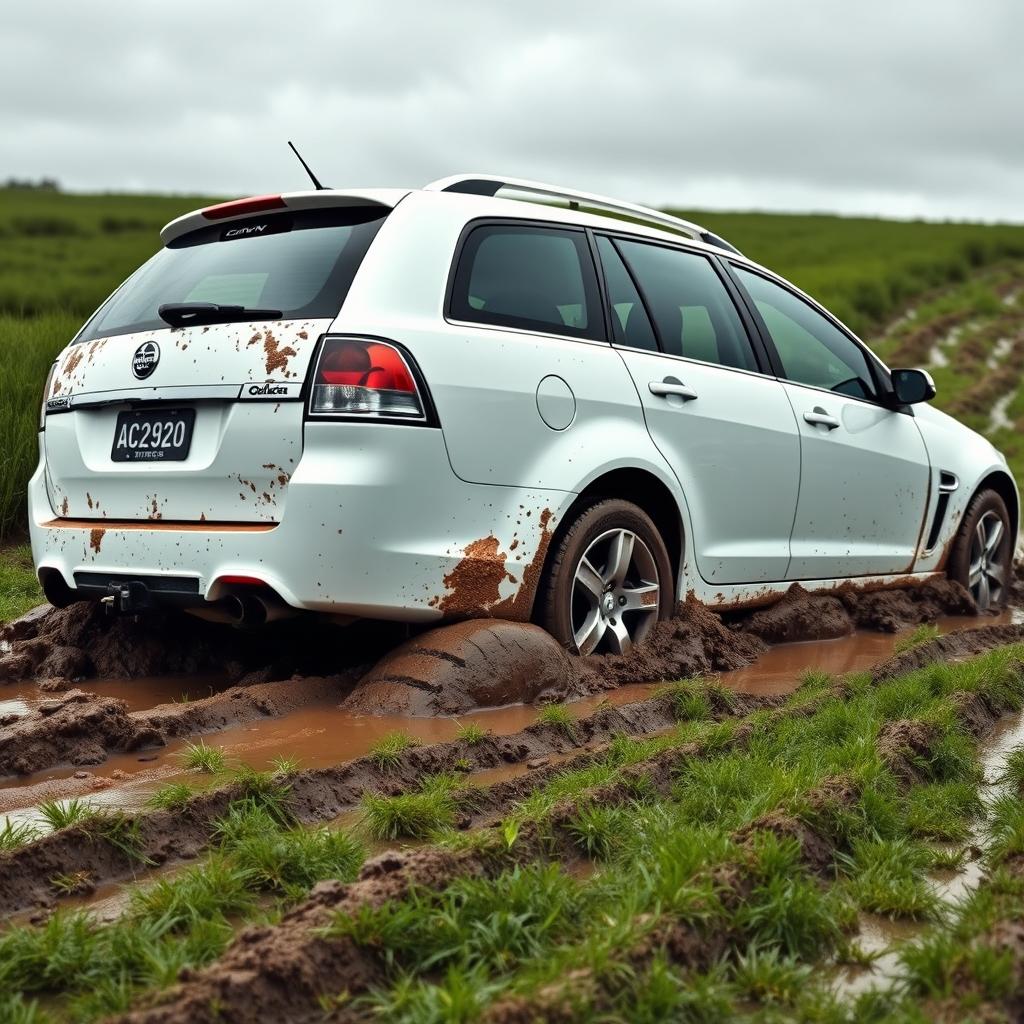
(736, 452)
(863, 488)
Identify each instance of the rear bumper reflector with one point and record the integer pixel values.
(165, 525)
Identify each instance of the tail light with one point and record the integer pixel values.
(46, 395)
(364, 378)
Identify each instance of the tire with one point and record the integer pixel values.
(597, 608)
(982, 555)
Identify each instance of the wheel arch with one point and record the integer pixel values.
(644, 489)
(1002, 483)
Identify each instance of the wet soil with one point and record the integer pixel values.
(322, 794)
(800, 616)
(456, 669)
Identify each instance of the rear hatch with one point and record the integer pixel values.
(182, 398)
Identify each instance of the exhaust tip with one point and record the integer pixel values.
(245, 610)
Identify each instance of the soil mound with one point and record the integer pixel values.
(694, 642)
(905, 746)
(479, 663)
(799, 616)
(895, 608)
(964, 643)
(74, 728)
(61, 645)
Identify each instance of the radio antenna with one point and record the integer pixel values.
(306, 167)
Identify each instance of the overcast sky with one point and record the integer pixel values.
(898, 107)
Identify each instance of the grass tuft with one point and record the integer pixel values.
(200, 757)
(919, 636)
(60, 814)
(15, 834)
(471, 733)
(559, 717)
(386, 752)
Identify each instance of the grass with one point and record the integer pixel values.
(15, 834)
(203, 758)
(416, 815)
(60, 255)
(559, 717)
(60, 814)
(171, 797)
(702, 904)
(471, 733)
(921, 635)
(671, 860)
(387, 751)
(19, 588)
(85, 970)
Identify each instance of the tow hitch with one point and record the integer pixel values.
(126, 597)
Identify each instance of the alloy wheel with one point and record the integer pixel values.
(616, 594)
(986, 575)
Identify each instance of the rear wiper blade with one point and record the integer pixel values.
(182, 314)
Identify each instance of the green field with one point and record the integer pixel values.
(60, 255)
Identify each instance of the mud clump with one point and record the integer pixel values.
(892, 609)
(800, 615)
(905, 746)
(964, 643)
(83, 642)
(694, 642)
(477, 663)
(280, 972)
(76, 728)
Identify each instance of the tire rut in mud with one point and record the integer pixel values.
(321, 794)
(281, 972)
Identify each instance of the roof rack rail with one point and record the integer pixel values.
(490, 185)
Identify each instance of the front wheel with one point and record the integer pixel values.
(609, 581)
(982, 553)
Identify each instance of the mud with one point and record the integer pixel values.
(66, 646)
(801, 616)
(949, 647)
(322, 794)
(74, 728)
(694, 642)
(280, 972)
(454, 669)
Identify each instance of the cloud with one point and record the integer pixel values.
(901, 108)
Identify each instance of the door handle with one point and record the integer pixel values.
(819, 418)
(671, 386)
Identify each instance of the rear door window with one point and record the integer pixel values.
(631, 326)
(694, 315)
(299, 264)
(530, 277)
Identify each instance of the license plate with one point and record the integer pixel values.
(153, 435)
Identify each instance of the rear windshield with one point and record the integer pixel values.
(299, 263)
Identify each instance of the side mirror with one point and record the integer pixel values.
(912, 386)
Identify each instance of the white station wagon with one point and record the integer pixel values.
(449, 402)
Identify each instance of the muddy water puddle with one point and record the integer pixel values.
(322, 734)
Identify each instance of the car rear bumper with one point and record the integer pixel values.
(376, 525)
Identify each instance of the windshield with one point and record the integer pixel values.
(299, 264)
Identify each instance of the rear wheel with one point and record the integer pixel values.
(609, 581)
(983, 551)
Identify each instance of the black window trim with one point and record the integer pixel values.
(600, 335)
(877, 369)
(751, 330)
